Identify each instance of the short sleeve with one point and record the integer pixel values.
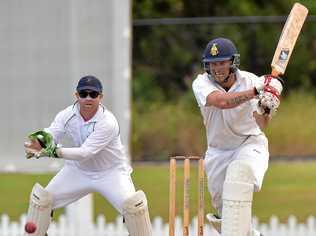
(202, 87)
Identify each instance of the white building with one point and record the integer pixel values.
(46, 46)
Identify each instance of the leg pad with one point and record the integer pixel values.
(135, 211)
(40, 209)
(237, 199)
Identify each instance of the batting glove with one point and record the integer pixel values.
(269, 96)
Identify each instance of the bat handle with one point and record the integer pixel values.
(275, 73)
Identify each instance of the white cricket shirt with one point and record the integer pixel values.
(97, 143)
(227, 128)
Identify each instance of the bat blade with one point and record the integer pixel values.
(289, 35)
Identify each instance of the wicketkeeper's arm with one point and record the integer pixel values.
(98, 139)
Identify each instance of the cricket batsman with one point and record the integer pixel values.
(236, 106)
(96, 163)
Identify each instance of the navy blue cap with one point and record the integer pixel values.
(219, 49)
(89, 82)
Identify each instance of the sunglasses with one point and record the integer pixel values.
(92, 94)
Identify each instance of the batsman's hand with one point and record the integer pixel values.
(40, 144)
(268, 81)
(268, 104)
(269, 96)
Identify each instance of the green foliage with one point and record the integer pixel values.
(166, 58)
(145, 89)
(172, 53)
(162, 129)
(292, 131)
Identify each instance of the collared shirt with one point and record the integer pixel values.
(227, 128)
(97, 143)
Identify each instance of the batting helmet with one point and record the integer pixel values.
(220, 49)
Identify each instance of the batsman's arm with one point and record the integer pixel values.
(229, 100)
(262, 120)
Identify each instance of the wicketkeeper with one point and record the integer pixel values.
(97, 162)
(236, 105)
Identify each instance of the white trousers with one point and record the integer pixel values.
(254, 151)
(72, 183)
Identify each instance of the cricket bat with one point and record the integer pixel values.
(289, 35)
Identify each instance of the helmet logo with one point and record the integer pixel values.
(214, 50)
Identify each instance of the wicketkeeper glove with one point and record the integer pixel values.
(46, 140)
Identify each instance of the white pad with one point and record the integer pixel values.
(237, 198)
(135, 211)
(215, 222)
(40, 209)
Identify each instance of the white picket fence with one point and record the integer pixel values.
(64, 227)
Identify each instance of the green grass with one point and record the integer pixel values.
(289, 188)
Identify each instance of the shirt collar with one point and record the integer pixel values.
(95, 118)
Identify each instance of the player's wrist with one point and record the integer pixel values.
(58, 152)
